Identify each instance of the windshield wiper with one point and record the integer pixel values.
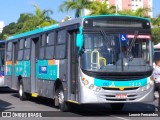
(105, 38)
(129, 54)
(103, 33)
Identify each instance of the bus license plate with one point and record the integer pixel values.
(121, 96)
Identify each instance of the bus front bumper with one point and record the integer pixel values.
(110, 96)
(2, 82)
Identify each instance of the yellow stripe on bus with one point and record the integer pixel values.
(72, 101)
(34, 94)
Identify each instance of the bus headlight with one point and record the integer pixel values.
(98, 89)
(148, 86)
(91, 86)
(144, 88)
(151, 82)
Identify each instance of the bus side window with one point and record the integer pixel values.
(61, 44)
(9, 51)
(42, 46)
(27, 49)
(49, 53)
(9, 56)
(61, 37)
(9, 46)
(20, 50)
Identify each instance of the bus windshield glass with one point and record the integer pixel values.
(116, 53)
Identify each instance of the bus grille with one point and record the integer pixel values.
(129, 99)
(107, 88)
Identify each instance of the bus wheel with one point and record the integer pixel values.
(117, 106)
(22, 95)
(63, 105)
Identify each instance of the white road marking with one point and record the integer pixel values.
(122, 118)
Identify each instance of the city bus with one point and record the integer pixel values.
(2, 55)
(92, 59)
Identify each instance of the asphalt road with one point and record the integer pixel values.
(9, 101)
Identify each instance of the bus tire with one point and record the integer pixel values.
(22, 94)
(63, 105)
(117, 106)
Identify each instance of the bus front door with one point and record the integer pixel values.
(34, 54)
(72, 67)
(14, 61)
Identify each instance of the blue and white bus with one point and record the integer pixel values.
(93, 59)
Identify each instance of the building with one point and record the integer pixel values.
(1, 26)
(131, 4)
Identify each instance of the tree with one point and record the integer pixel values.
(100, 8)
(156, 35)
(141, 12)
(40, 18)
(76, 5)
(8, 30)
(156, 21)
(28, 21)
(156, 29)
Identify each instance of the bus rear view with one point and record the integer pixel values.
(116, 60)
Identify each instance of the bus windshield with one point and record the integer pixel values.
(116, 53)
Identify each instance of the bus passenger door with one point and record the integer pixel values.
(72, 66)
(34, 54)
(14, 60)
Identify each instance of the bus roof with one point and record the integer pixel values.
(40, 30)
(112, 15)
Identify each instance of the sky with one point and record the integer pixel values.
(10, 10)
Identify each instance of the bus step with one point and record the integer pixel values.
(34, 94)
(72, 101)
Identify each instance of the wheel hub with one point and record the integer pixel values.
(20, 90)
(61, 97)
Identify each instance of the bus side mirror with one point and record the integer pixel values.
(79, 41)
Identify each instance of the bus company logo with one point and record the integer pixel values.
(43, 69)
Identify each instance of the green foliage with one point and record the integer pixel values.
(156, 35)
(156, 29)
(28, 21)
(76, 5)
(101, 8)
(140, 12)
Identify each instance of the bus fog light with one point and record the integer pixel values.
(151, 82)
(142, 89)
(91, 86)
(148, 86)
(98, 89)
